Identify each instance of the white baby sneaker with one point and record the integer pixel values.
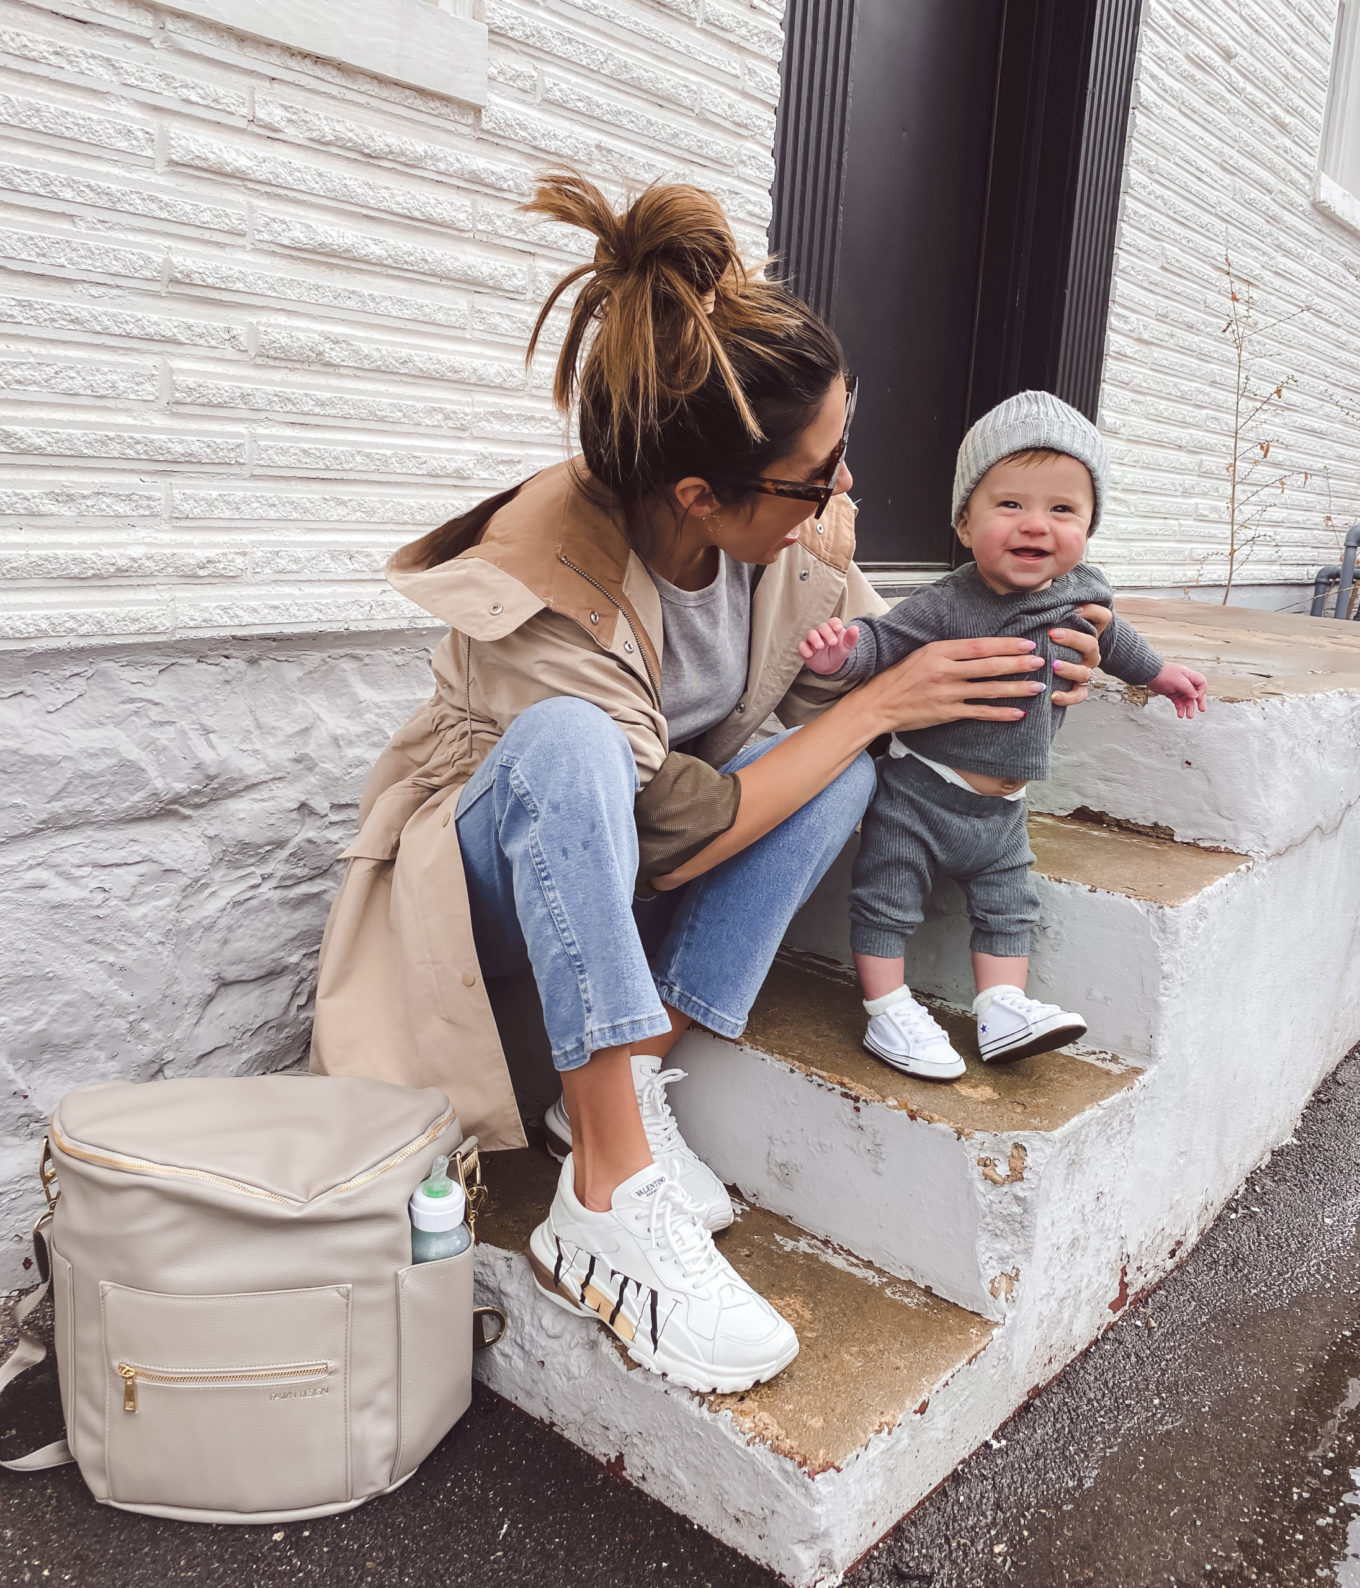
(669, 1148)
(906, 1036)
(1012, 1025)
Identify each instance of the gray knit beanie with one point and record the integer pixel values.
(1029, 419)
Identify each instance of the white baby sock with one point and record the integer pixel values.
(988, 993)
(876, 1006)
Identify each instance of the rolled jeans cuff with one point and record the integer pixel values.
(700, 1012)
(623, 1033)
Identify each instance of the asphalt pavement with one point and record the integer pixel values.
(1212, 1436)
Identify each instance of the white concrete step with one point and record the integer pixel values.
(1127, 924)
(1275, 758)
(942, 1184)
(1237, 974)
(892, 1387)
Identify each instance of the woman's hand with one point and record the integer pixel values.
(1080, 672)
(940, 681)
(934, 684)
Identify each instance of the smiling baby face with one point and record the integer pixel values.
(1027, 521)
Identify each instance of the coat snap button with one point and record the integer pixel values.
(497, 609)
(628, 646)
(469, 979)
(804, 574)
(594, 617)
(819, 529)
(741, 706)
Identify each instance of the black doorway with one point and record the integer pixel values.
(946, 192)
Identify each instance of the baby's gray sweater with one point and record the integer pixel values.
(962, 607)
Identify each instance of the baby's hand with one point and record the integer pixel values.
(827, 647)
(1186, 689)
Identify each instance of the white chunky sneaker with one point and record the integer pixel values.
(907, 1036)
(669, 1148)
(1012, 1025)
(650, 1271)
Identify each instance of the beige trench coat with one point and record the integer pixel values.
(550, 601)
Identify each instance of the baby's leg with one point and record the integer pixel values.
(999, 970)
(890, 883)
(1004, 906)
(880, 974)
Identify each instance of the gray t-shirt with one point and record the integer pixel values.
(705, 648)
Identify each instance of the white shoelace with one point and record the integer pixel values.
(663, 1133)
(1026, 1007)
(677, 1227)
(914, 1021)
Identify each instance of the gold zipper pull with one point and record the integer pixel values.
(129, 1377)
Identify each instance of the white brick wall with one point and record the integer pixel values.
(262, 317)
(1223, 148)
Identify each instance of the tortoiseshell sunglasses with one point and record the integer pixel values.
(806, 490)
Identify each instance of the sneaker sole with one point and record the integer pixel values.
(906, 1065)
(689, 1375)
(1058, 1037)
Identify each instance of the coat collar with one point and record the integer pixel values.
(561, 543)
(556, 544)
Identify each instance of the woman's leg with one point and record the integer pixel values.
(608, 1141)
(550, 852)
(731, 921)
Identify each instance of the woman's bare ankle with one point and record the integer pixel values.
(608, 1143)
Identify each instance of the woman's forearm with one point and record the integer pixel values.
(785, 779)
(937, 683)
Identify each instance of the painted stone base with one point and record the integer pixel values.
(170, 825)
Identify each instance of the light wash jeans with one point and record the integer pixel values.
(550, 851)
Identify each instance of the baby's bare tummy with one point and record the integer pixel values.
(997, 786)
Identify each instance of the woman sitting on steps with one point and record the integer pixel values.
(620, 626)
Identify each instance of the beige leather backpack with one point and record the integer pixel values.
(241, 1335)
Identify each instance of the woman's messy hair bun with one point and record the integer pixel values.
(676, 351)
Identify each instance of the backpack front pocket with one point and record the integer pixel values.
(227, 1403)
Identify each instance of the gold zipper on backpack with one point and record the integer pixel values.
(130, 1373)
(144, 1166)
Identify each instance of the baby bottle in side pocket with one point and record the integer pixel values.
(438, 1216)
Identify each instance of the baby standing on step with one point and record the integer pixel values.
(1028, 490)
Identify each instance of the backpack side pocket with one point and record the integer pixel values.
(434, 1304)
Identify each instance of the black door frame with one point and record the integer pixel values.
(1064, 80)
(1053, 200)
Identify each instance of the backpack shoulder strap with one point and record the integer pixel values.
(29, 1352)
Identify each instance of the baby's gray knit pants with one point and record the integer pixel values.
(918, 825)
